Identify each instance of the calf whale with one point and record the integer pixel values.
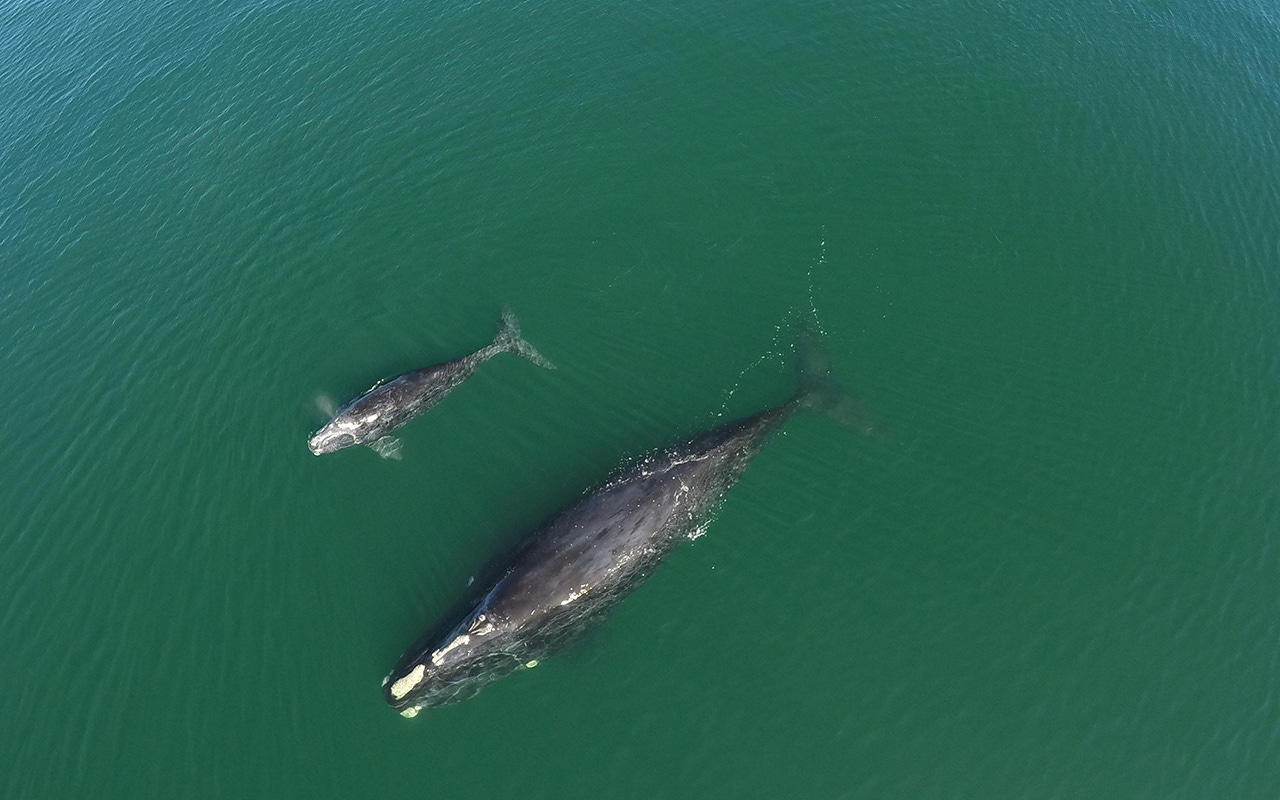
(577, 566)
(370, 418)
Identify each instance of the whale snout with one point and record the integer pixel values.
(328, 440)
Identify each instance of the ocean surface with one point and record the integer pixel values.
(1042, 239)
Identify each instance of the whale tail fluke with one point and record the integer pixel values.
(510, 340)
(819, 391)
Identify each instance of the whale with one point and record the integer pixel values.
(370, 418)
(577, 566)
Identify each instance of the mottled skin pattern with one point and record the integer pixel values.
(577, 566)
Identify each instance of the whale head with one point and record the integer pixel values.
(447, 669)
(334, 436)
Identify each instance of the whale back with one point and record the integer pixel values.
(580, 564)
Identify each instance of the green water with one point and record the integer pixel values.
(1043, 241)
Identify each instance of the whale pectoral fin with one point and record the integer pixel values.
(387, 447)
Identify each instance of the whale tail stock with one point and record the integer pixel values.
(510, 340)
(818, 391)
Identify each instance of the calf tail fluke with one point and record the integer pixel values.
(509, 339)
(819, 391)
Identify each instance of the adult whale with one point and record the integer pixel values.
(577, 566)
(370, 418)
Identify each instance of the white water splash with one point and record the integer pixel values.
(820, 262)
(778, 349)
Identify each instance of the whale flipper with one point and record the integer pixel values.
(387, 447)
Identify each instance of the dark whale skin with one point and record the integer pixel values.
(577, 566)
(372, 416)
(387, 406)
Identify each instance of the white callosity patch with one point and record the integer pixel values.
(481, 626)
(401, 687)
(437, 657)
(410, 712)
